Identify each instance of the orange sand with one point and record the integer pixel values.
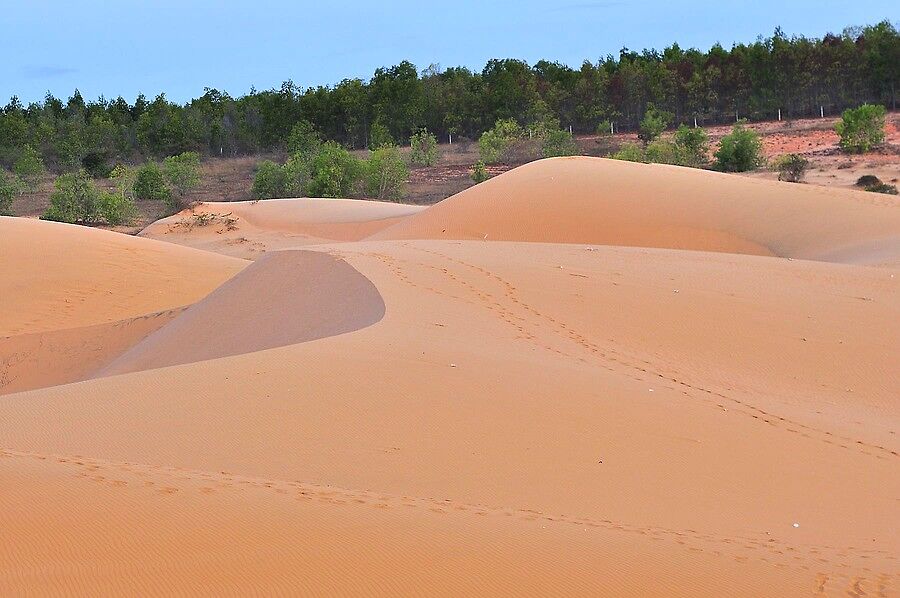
(441, 416)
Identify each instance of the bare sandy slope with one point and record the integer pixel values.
(526, 418)
(55, 276)
(285, 298)
(595, 200)
(247, 229)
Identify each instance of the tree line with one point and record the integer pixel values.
(798, 76)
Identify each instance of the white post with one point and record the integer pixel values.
(612, 130)
(570, 129)
(451, 138)
(695, 122)
(779, 114)
(736, 119)
(821, 111)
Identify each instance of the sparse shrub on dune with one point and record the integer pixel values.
(739, 151)
(629, 152)
(268, 182)
(880, 187)
(691, 146)
(558, 143)
(661, 151)
(150, 184)
(296, 174)
(386, 174)
(76, 200)
(480, 173)
(861, 128)
(790, 167)
(494, 145)
(867, 179)
(423, 149)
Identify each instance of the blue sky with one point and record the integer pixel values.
(179, 47)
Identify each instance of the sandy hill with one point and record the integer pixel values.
(73, 297)
(460, 417)
(610, 202)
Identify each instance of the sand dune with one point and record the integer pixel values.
(248, 229)
(287, 297)
(609, 202)
(456, 417)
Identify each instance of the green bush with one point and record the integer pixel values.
(423, 148)
(790, 167)
(74, 200)
(629, 152)
(691, 146)
(661, 151)
(269, 182)
(386, 173)
(29, 168)
(115, 207)
(739, 151)
(334, 172)
(8, 190)
(183, 174)
(97, 164)
(296, 174)
(480, 173)
(558, 143)
(861, 128)
(494, 145)
(303, 139)
(150, 184)
(604, 129)
(867, 179)
(880, 187)
(653, 124)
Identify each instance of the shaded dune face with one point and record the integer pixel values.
(610, 202)
(287, 297)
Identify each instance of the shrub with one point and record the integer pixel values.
(8, 190)
(739, 151)
(114, 207)
(479, 172)
(269, 181)
(494, 145)
(867, 179)
(630, 152)
(29, 168)
(386, 173)
(653, 124)
(790, 167)
(379, 135)
(183, 174)
(423, 149)
(861, 128)
(661, 151)
(558, 143)
(691, 146)
(74, 200)
(150, 184)
(303, 139)
(334, 172)
(880, 187)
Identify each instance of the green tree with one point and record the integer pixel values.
(494, 144)
(296, 174)
(691, 146)
(861, 128)
(303, 139)
(150, 184)
(29, 168)
(423, 148)
(117, 207)
(739, 151)
(386, 174)
(74, 200)
(183, 174)
(268, 182)
(8, 190)
(334, 172)
(629, 152)
(558, 143)
(379, 136)
(653, 124)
